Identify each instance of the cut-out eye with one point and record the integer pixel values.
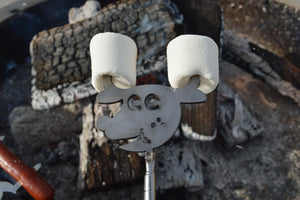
(152, 102)
(134, 103)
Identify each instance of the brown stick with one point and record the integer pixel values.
(33, 183)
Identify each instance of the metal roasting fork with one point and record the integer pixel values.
(150, 114)
(149, 181)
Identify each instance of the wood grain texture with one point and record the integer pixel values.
(203, 18)
(201, 116)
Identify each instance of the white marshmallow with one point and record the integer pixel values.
(113, 55)
(189, 55)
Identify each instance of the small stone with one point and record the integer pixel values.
(68, 96)
(49, 48)
(58, 37)
(58, 51)
(72, 64)
(61, 68)
(66, 58)
(55, 61)
(39, 104)
(121, 6)
(84, 69)
(48, 65)
(69, 32)
(68, 72)
(70, 51)
(80, 54)
(78, 30)
(142, 41)
(33, 81)
(51, 72)
(55, 79)
(77, 74)
(152, 9)
(132, 16)
(71, 79)
(117, 25)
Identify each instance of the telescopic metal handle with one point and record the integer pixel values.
(149, 185)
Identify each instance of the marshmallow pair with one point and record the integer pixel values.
(114, 55)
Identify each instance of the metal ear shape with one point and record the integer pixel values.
(190, 93)
(110, 95)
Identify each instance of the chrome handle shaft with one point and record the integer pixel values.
(149, 184)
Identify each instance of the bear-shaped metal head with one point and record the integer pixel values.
(149, 113)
